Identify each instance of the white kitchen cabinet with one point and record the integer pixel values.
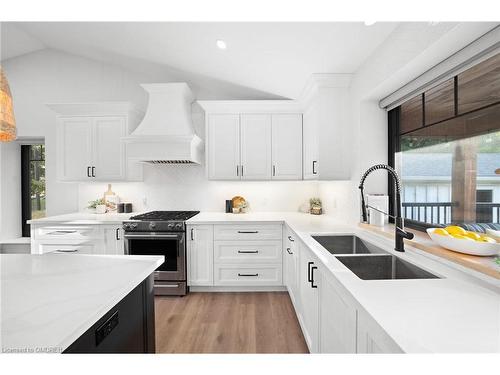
(311, 142)
(287, 147)
(309, 297)
(255, 147)
(200, 255)
(75, 145)
(113, 239)
(224, 147)
(291, 267)
(109, 150)
(337, 317)
(89, 142)
(371, 338)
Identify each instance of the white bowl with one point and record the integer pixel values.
(465, 246)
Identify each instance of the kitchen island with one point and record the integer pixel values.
(56, 303)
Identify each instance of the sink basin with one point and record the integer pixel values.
(347, 245)
(383, 267)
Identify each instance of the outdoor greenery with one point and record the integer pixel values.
(37, 186)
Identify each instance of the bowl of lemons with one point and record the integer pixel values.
(456, 238)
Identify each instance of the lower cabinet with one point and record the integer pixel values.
(113, 239)
(200, 255)
(337, 317)
(371, 338)
(309, 297)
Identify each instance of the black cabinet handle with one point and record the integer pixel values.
(106, 328)
(242, 171)
(312, 277)
(88, 172)
(314, 167)
(93, 171)
(248, 251)
(192, 234)
(118, 234)
(309, 264)
(291, 239)
(237, 171)
(248, 274)
(274, 170)
(248, 231)
(288, 251)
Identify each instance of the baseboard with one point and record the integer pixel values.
(278, 288)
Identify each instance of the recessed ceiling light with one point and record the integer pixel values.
(369, 23)
(221, 44)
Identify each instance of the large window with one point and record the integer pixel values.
(446, 148)
(33, 184)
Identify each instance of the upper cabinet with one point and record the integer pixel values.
(89, 142)
(254, 146)
(287, 147)
(223, 149)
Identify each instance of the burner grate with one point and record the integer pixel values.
(165, 215)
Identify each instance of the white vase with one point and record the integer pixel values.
(100, 209)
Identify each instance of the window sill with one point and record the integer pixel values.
(421, 241)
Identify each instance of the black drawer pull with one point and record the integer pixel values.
(248, 231)
(67, 251)
(248, 274)
(291, 239)
(309, 264)
(248, 251)
(312, 277)
(106, 328)
(288, 251)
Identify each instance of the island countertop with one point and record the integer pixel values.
(48, 301)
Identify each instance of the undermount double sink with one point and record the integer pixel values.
(368, 261)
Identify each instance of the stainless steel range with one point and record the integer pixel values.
(161, 233)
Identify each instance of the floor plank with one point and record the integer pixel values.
(260, 322)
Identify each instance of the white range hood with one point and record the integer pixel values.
(166, 134)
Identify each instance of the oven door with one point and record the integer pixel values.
(170, 245)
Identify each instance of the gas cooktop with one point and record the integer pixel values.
(165, 216)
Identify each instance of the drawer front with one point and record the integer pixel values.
(63, 232)
(247, 275)
(247, 232)
(247, 251)
(67, 249)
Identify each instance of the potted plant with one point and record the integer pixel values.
(99, 205)
(315, 206)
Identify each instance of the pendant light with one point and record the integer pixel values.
(8, 129)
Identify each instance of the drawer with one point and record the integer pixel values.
(247, 251)
(247, 232)
(69, 232)
(247, 275)
(67, 249)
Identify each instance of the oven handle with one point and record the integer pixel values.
(152, 236)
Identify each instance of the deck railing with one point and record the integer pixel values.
(440, 212)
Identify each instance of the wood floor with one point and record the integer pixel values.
(228, 323)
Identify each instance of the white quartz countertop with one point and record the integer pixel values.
(85, 218)
(48, 301)
(457, 313)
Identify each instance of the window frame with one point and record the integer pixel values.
(26, 186)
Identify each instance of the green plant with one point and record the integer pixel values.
(315, 202)
(97, 202)
(497, 260)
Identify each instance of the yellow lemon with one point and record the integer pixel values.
(454, 229)
(461, 236)
(473, 235)
(485, 238)
(441, 232)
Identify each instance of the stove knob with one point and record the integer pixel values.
(125, 226)
(152, 225)
(133, 225)
(178, 226)
(170, 226)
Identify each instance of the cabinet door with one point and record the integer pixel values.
(74, 149)
(113, 240)
(224, 147)
(337, 318)
(291, 260)
(287, 147)
(255, 147)
(371, 338)
(311, 144)
(200, 251)
(108, 148)
(309, 297)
